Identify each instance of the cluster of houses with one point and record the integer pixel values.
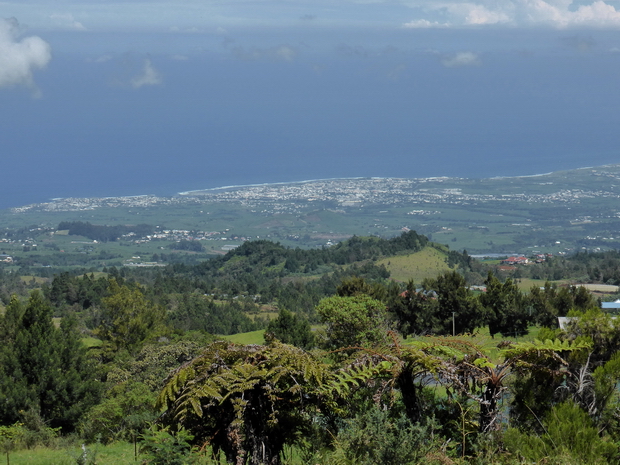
(523, 260)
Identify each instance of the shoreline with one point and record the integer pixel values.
(198, 192)
(426, 178)
(279, 183)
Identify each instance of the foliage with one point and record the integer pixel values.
(541, 369)
(197, 312)
(127, 318)
(355, 321)
(124, 413)
(43, 369)
(356, 285)
(550, 302)
(66, 290)
(447, 305)
(247, 401)
(569, 437)
(154, 363)
(506, 307)
(381, 437)
(163, 447)
(11, 437)
(290, 328)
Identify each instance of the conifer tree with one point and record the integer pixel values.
(43, 369)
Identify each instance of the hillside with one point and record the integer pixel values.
(417, 266)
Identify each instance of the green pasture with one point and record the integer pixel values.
(118, 453)
(253, 337)
(427, 263)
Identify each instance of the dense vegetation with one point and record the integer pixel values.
(385, 375)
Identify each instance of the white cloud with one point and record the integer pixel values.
(19, 58)
(424, 24)
(202, 16)
(598, 13)
(149, 76)
(461, 59)
(67, 21)
(286, 53)
(524, 13)
(279, 53)
(100, 59)
(559, 13)
(479, 14)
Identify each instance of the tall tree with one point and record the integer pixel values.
(128, 318)
(413, 310)
(43, 369)
(454, 307)
(246, 401)
(506, 310)
(290, 328)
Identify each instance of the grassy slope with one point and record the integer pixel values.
(253, 337)
(427, 263)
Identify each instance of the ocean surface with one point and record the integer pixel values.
(218, 120)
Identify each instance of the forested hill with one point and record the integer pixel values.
(264, 253)
(268, 268)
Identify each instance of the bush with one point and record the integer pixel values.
(164, 448)
(569, 437)
(376, 437)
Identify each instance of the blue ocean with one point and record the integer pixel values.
(217, 121)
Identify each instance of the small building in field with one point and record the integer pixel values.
(613, 306)
(520, 260)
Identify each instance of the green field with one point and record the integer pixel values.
(118, 453)
(253, 337)
(427, 263)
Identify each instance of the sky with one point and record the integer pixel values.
(101, 98)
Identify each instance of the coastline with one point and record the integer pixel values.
(426, 178)
(212, 190)
(279, 183)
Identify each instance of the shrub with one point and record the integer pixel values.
(569, 437)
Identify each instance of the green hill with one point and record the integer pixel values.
(427, 263)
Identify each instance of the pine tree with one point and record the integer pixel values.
(43, 369)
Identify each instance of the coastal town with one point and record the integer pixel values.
(349, 192)
(525, 216)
